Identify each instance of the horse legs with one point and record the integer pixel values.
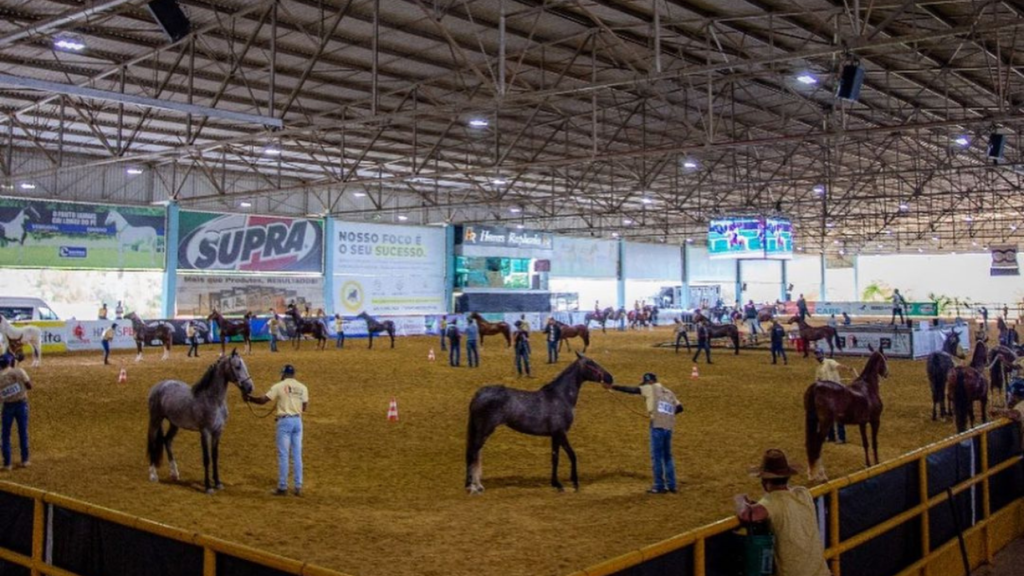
(172, 430)
(806, 345)
(167, 350)
(214, 453)
(476, 436)
(555, 448)
(831, 350)
(205, 440)
(572, 461)
(864, 440)
(370, 347)
(138, 348)
(392, 336)
(875, 425)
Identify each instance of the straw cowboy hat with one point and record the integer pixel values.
(773, 465)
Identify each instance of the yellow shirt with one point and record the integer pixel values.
(102, 314)
(793, 520)
(190, 331)
(339, 324)
(829, 370)
(661, 405)
(108, 334)
(290, 395)
(14, 384)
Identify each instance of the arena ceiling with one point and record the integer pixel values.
(631, 118)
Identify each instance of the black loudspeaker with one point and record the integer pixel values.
(170, 17)
(850, 82)
(996, 143)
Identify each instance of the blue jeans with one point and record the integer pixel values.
(340, 343)
(522, 360)
(289, 436)
(14, 412)
(661, 459)
(455, 352)
(472, 353)
(273, 342)
(106, 351)
(443, 347)
(778, 350)
(552, 351)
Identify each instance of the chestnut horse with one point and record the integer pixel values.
(810, 334)
(826, 403)
(966, 385)
(229, 328)
(938, 366)
(492, 328)
(578, 331)
(729, 331)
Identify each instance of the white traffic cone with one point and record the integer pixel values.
(393, 410)
(122, 378)
(430, 355)
(693, 373)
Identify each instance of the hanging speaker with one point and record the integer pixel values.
(850, 82)
(996, 143)
(170, 17)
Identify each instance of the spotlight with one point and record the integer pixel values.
(479, 123)
(819, 189)
(403, 218)
(806, 79)
(647, 201)
(28, 186)
(962, 141)
(359, 194)
(134, 171)
(904, 207)
(499, 181)
(627, 221)
(245, 204)
(69, 44)
(271, 151)
(515, 210)
(689, 164)
(520, 226)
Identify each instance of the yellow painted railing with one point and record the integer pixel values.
(981, 532)
(211, 547)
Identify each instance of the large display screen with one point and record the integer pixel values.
(488, 272)
(750, 237)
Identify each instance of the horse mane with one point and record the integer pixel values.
(570, 369)
(871, 367)
(206, 382)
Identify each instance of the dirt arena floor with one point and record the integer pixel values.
(385, 498)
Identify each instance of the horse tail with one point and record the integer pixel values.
(961, 403)
(995, 372)
(585, 335)
(735, 335)
(937, 374)
(812, 441)
(507, 332)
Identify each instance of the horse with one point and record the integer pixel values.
(599, 316)
(491, 328)
(999, 359)
(133, 237)
(578, 331)
(637, 318)
(938, 366)
(810, 334)
(729, 331)
(766, 314)
(826, 403)
(545, 412)
(161, 331)
(966, 385)
(202, 408)
(314, 328)
(230, 328)
(25, 334)
(373, 327)
(16, 230)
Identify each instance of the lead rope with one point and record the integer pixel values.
(253, 410)
(628, 407)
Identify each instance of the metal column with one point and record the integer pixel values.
(823, 296)
(449, 270)
(170, 261)
(684, 291)
(330, 243)
(739, 282)
(620, 286)
(785, 281)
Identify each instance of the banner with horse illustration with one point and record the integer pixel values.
(37, 234)
(249, 243)
(388, 270)
(236, 294)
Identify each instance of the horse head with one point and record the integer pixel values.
(234, 370)
(951, 342)
(591, 371)
(878, 358)
(793, 320)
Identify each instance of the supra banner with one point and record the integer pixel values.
(249, 243)
(67, 235)
(199, 294)
(389, 270)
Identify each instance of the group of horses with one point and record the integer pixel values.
(502, 328)
(643, 317)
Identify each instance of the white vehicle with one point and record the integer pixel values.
(17, 308)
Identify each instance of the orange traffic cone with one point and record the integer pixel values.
(393, 411)
(430, 355)
(693, 373)
(122, 378)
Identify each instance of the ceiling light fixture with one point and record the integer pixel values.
(689, 164)
(904, 207)
(615, 234)
(819, 189)
(520, 226)
(403, 218)
(69, 43)
(962, 141)
(499, 181)
(627, 221)
(806, 79)
(515, 210)
(134, 171)
(359, 194)
(271, 151)
(28, 186)
(245, 204)
(647, 200)
(479, 123)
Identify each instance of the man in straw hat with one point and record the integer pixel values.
(790, 513)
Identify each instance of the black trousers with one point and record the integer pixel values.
(896, 311)
(778, 350)
(193, 346)
(706, 347)
(682, 336)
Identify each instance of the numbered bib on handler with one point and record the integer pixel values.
(11, 391)
(666, 407)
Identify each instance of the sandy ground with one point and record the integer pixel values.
(386, 498)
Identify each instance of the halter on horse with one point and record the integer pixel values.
(26, 334)
(938, 366)
(202, 408)
(545, 412)
(826, 403)
(373, 327)
(492, 328)
(162, 331)
(229, 328)
(809, 334)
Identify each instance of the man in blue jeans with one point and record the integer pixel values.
(662, 407)
(292, 398)
(14, 387)
(472, 337)
(553, 336)
(454, 344)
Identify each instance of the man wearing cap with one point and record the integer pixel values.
(791, 515)
(828, 371)
(292, 400)
(662, 407)
(14, 387)
(703, 342)
(105, 340)
(192, 333)
(553, 336)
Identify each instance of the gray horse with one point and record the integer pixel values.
(545, 412)
(202, 408)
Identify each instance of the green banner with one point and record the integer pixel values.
(37, 234)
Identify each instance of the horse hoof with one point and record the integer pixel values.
(154, 478)
(219, 486)
(211, 491)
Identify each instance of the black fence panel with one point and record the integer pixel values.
(950, 466)
(8, 569)
(886, 554)
(93, 547)
(503, 302)
(723, 555)
(16, 523)
(231, 566)
(861, 508)
(1008, 485)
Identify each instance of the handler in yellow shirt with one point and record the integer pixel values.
(339, 328)
(828, 371)
(292, 398)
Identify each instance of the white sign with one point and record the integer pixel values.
(88, 334)
(585, 258)
(388, 270)
(897, 344)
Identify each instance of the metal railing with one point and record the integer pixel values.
(695, 543)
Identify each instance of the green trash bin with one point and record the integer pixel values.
(758, 550)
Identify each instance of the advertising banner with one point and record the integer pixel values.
(826, 309)
(87, 334)
(388, 270)
(897, 344)
(585, 258)
(199, 294)
(498, 236)
(65, 235)
(249, 243)
(54, 335)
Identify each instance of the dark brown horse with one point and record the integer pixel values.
(826, 403)
(492, 328)
(373, 327)
(311, 326)
(545, 412)
(1000, 360)
(161, 331)
(809, 334)
(601, 317)
(938, 366)
(966, 385)
(229, 329)
(578, 331)
(729, 331)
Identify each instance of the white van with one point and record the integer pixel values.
(15, 308)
